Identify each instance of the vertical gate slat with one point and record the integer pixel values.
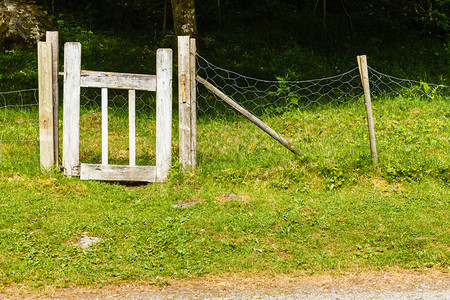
(163, 113)
(132, 126)
(71, 107)
(104, 126)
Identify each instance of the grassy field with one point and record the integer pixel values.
(250, 206)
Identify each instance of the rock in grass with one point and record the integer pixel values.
(85, 241)
(187, 203)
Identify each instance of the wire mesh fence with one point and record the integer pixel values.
(412, 124)
(118, 127)
(19, 137)
(321, 117)
(325, 119)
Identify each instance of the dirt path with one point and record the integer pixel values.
(373, 285)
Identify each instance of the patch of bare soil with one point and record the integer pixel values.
(369, 285)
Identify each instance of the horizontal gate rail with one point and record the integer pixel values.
(118, 80)
(118, 173)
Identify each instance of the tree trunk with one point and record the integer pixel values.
(184, 19)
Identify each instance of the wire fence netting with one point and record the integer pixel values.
(412, 123)
(321, 117)
(118, 127)
(19, 122)
(324, 118)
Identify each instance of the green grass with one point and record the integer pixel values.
(370, 225)
(412, 137)
(259, 208)
(19, 127)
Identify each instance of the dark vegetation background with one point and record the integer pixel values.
(402, 38)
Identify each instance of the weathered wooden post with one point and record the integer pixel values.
(193, 82)
(186, 101)
(53, 38)
(363, 70)
(47, 158)
(164, 58)
(71, 107)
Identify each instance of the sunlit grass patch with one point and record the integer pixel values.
(253, 205)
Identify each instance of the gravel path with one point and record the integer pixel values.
(375, 285)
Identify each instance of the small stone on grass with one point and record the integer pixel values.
(85, 241)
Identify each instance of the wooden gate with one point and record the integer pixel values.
(75, 78)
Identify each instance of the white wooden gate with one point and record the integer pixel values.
(75, 78)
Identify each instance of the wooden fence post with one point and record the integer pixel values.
(71, 107)
(363, 70)
(164, 59)
(47, 158)
(53, 38)
(184, 102)
(193, 83)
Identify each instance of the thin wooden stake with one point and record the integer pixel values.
(45, 105)
(249, 116)
(53, 37)
(363, 70)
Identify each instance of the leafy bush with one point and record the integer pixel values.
(18, 69)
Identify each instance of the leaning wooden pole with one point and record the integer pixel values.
(249, 116)
(363, 70)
